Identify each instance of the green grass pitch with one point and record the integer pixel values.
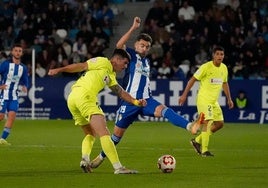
(46, 153)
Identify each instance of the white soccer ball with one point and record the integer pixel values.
(166, 163)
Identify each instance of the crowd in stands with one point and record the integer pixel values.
(184, 32)
(60, 32)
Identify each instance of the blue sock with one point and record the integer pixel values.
(5, 133)
(174, 118)
(115, 139)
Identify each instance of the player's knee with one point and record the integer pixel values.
(160, 110)
(217, 126)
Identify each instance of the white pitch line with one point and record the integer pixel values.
(129, 148)
(120, 148)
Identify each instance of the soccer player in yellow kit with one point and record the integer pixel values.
(83, 103)
(213, 76)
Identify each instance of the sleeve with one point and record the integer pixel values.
(225, 74)
(131, 52)
(113, 80)
(96, 63)
(24, 78)
(2, 66)
(199, 74)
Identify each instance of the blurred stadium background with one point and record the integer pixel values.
(70, 31)
(45, 150)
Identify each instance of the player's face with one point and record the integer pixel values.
(120, 64)
(142, 47)
(218, 57)
(17, 53)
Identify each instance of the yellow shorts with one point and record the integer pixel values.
(82, 106)
(212, 111)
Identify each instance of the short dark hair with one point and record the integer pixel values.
(144, 36)
(217, 48)
(122, 53)
(16, 45)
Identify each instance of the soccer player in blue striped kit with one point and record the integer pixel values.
(137, 79)
(13, 73)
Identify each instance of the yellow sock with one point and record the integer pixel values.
(110, 151)
(205, 137)
(198, 139)
(87, 145)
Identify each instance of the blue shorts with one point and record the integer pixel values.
(127, 113)
(9, 105)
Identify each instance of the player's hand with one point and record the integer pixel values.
(143, 102)
(230, 104)
(3, 87)
(52, 72)
(140, 102)
(182, 100)
(137, 22)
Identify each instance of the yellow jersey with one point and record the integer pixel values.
(211, 79)
(99, 74)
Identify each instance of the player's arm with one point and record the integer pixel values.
(119, 91)
(25, 80)
(188, 87)
(122, 41)
(2, 87)
(72, 68)
(226, 90)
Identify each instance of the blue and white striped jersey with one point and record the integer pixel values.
(137, 76)
(12, 75)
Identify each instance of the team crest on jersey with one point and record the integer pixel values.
(138, 65)
(144, 70)
(13, 78)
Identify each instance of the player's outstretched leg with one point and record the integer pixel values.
(95, 163)
(197, 124)
(174, 118)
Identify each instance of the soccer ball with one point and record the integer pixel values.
(166, 163)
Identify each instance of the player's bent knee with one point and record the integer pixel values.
(159, 110)
(216, 127)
